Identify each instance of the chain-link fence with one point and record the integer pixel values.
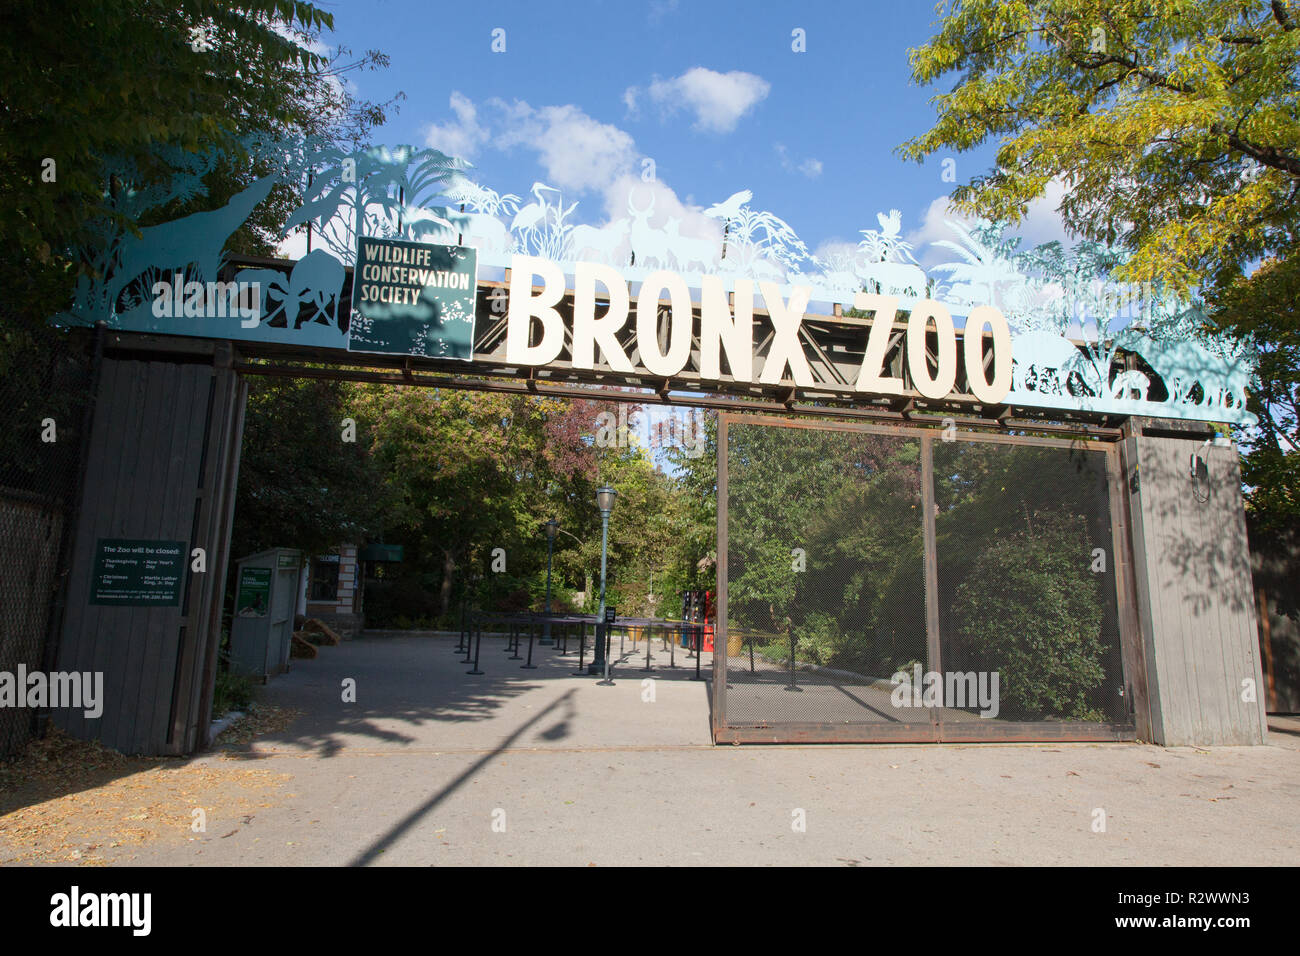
(850, 616)
(45, 381)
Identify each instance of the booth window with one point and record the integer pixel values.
(324, 579)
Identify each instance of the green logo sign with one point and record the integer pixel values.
(413, 298)
(137, 573)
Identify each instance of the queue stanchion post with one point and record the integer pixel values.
(582, 646)
(515, 629)
(532, 627)
(697, 635)
(469, 638)
(793, 685)
(478, 644)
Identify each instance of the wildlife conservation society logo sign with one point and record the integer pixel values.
(413, 298)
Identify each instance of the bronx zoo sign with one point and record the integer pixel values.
(724, 328)
(408, 258)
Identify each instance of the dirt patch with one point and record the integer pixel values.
(67, 801)
(260, 719)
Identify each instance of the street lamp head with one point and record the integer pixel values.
(605, 496)
(551, 527)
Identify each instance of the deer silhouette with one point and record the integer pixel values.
(648, 245)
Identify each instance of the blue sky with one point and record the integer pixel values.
(713, 93)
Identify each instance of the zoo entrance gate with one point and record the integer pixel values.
(849, 553)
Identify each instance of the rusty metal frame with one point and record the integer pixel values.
(1102, 441)
(718, 711)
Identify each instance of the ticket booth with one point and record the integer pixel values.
(266, 596)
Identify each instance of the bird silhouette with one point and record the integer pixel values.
(729, 208)
(891, 224)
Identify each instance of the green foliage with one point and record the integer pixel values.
(1016, 532)
(468, 473)
(1176, 129)
(1265, 309)
(1033, 613)
(150, 86)
(231, 692)
(137, 83)
(300, 485)
(1176, 125)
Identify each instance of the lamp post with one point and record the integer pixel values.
(552, 526)
(605, 496)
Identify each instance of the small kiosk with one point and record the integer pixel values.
(261, 629)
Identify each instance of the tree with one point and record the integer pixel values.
(1266, 310)
(301, 485)
(1175, 126)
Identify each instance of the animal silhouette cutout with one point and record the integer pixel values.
(1130, 385)
(196, 239)
(603, 241)
(689, 251)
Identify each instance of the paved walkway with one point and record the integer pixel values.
(431, 766)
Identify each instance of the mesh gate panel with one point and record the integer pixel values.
(829, 633)
(826, 574)
(1026, 579)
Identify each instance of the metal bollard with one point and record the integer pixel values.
(469, 639)
(793, 685)
(478, 644)
(582, 646)
(531, 628)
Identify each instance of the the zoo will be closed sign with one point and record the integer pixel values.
(413, 298)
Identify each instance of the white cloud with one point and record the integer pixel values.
(587, 159)
(718, 100)
(1042, 223)
(577, 152)
(933, 227)
(810, 167)
(462, 136)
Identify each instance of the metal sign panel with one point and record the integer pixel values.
(412, 298)
(132, 572)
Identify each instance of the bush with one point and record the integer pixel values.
(232, 692)
(1032, 611)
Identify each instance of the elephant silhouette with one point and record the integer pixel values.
(317, 283)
